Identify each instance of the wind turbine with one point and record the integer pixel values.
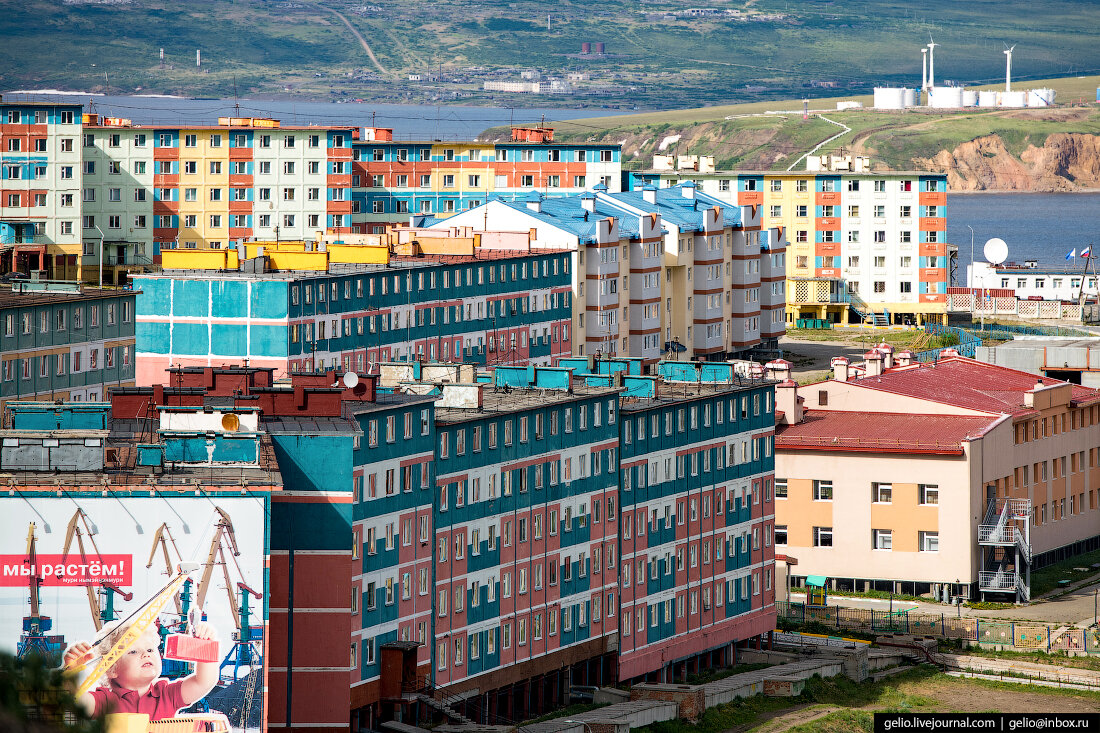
(1008, 66)
(931, 62)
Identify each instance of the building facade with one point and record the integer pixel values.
(995, 482)
(40, 184)
(1031, 282)
(321, 308)
(863, 246)
(151, 188)
(393, 180)
(657, 271)
(64, 345)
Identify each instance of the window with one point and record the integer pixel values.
(929, 494)
(823, 490)
(780, 535)
(823, 536)
(882, 493)
(928, 541)
(881, 539)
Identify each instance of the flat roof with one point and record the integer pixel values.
(790, 174)
(671, 393)
(507, 400)
(16, 299)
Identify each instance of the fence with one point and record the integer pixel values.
(1000, 305)
(967, 345)
(1019, 636)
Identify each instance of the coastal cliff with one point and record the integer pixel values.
(1065, 162)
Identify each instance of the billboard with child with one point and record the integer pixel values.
(179, 580)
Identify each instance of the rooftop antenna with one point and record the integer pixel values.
(931, 62)
(236, 102)
(1008, 66)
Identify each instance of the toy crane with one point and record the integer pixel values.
(34, 640)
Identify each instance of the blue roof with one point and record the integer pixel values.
(676, 208)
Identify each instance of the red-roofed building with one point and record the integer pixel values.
(951, 478)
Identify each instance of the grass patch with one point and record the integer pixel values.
(839, 721)
(881, 594)
(1058, 658)
(721, 674)
(988, 605)
(1046, 579)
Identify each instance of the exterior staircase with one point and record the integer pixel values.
(1005, 536)
(442, 707)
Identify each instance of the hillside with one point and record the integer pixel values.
(659, 54)
(1056, 149)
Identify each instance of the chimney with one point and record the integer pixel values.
(534, 202)
(778, 369)
(873, 363)
(588, 202)
(688, 189)
(649, 193)
(887, 352)
(788, 402)
(840, 368)
(903, 358)
(1029, 396)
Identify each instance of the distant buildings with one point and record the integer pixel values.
(917, 478)
(657, 271)
(863, 246)
(151, 188)
(1031, 282)
(394, 180)
(40, 205)
(68, 344)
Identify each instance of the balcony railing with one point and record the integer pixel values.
(997, 580)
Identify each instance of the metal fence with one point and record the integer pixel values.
(968, 343)
(1019, 636)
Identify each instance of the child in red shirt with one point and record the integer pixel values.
(134, 684)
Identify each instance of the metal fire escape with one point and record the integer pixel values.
(1005, 537)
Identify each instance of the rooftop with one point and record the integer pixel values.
(505, 400)
(11, 297)
(670, 393)
(689, 173)
(970, 384)
(880, 432)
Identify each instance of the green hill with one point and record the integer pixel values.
(659, 53)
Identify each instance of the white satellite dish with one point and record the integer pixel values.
(351, 379)
(995, 251)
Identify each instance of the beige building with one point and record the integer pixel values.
(953, 478)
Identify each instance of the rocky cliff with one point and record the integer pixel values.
(1065, 162)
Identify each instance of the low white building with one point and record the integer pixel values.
(1031, 282)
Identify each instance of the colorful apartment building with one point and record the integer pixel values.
(393, 180)
(862, 245)
(917, 478)
(352, 306)
(64, 344)
(657, 271)
(149, 188)
(40, 183)
(697, 514)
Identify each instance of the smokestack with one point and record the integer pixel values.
(924, 69)
(1008, 69)
(788, 402)
(162, 55)
(931, 64)
(198, 57)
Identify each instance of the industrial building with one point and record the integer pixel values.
(64, 342)
(148, 188)
(656, 271)
(351, 305)
(393, 180)
(1067, 358)
(862, 247)
(40, 166)
(996, 482)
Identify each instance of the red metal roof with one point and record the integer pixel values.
(880, 432)
(969, 384)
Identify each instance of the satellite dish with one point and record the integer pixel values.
(995, 251)
(230, 422)
(351, 379)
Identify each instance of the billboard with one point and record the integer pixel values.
(99, 561)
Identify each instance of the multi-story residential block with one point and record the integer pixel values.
(40, 182)
(353, 306)
(392, 582)
(1031, 282)
(148, 188)
(656, 271)
(393, 180)
(64, 345)
(526, 538)
(862, 245)
(697, 514)
(955, 478)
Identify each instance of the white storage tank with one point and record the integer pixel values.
(987, 98)
(1014, 99)
(946, 97)
(911, 97)
(1040, 97)
(889, 98)
(970, 98)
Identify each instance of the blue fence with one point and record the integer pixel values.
(998, 329)
(968, 342)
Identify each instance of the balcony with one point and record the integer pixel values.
(997, 581)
